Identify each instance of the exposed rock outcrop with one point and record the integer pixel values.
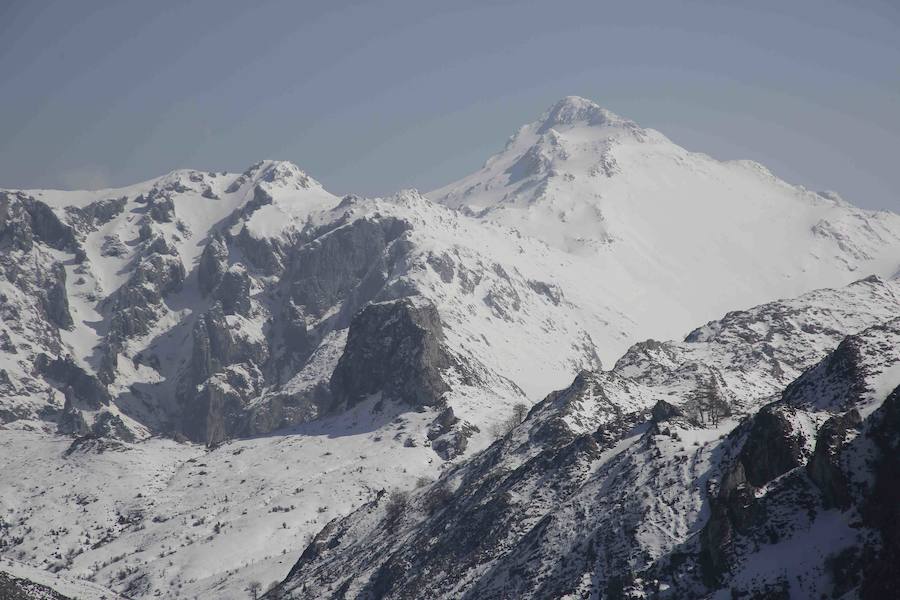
(731, 511)
(449, 436)
(48, 227)
(85, 388)
(55, 298)
(221, 376)
(264, 254)
(824, 467)
(134, 306)
(89, 218)
(773, 445)
(162, 209)
(110, 426)
(213, 264)
(24, 220)
(881, 507)
(233, 291)
(350, 263)
(663, 411)
(393, 348)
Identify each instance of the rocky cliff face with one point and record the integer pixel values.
(393, 348)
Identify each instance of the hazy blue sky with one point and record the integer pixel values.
(370, 97)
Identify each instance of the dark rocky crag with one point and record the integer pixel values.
(393, 348)
(17, 588)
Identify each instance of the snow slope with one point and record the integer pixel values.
(670, 237)
(157, 518)
(72, 589)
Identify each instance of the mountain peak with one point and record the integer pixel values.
(280, 172)
(575, 109)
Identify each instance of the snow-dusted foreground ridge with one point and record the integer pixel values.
(198, 372)
(641, 482)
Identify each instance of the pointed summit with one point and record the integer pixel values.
(281, 172)
(575, 109)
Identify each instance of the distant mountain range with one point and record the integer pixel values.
(200, 371)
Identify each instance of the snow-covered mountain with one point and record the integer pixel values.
(249, 356)
(671, 237)
(632, 484)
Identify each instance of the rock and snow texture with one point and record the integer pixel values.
(199, 299)
(372, 342)
(158, 515)
(621, 487)
(19, 581)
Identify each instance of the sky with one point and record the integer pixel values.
(372, 97)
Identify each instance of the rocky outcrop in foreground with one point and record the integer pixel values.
(16, 588)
